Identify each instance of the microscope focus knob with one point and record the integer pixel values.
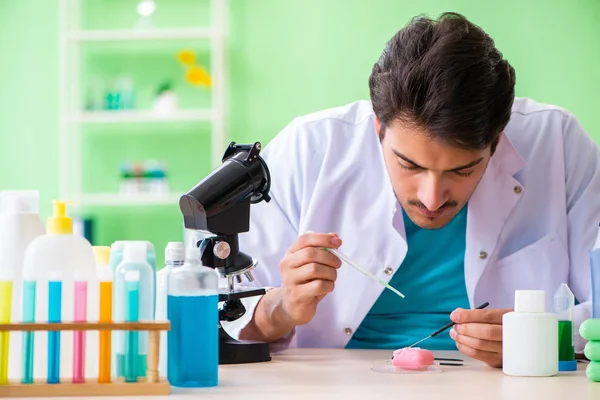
(222, 250)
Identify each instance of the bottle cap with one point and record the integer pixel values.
(102, 254)
(134, 252)
(59, 223)
(530, 301)
(564, 303)
(175, 251)
(19, 201)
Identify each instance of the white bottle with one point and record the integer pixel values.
(62, 257)
(530, 337)
(174, 257)
(20, 223)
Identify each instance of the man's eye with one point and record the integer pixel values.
(408, 168)
(464, 173)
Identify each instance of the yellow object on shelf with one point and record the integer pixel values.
(186, 57)
(198, 76)
(5, 305)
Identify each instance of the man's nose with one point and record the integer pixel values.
(432, 193)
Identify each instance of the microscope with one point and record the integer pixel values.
(220, 205)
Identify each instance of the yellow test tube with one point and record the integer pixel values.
(102, 254)
(5, 305)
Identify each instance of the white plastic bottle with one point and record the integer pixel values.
(174, 257)
(20, 223)
(530, 337)
(60, 284)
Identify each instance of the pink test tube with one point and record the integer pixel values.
(79, 336)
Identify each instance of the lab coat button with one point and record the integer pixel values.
(483, 255)
(388, 271)
(518, 189)
(348, 331)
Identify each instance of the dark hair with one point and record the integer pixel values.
(447, 77)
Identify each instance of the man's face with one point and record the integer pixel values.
(432, 181)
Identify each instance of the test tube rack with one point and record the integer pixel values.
(152, 384)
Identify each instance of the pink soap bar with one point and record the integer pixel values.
(412, 358)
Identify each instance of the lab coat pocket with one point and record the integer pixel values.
(542, 265)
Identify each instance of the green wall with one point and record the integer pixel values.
(286, 58)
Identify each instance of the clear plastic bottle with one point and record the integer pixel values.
(133, 298)
(564, 307)
(174, 257)
(20, 223)
(60, 284)
(193, 301)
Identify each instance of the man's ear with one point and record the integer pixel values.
(377, 126)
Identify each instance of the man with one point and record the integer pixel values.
(443, 185)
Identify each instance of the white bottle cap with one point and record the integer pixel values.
(134, 252)
(175, 251)
(530, 301)
(19, 201)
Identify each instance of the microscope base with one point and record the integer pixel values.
(232, 351)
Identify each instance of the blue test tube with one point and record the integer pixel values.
(27, 345)
(132, 286)
(54, 310)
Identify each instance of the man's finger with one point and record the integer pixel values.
(310, 272)
(476, 343)
(492, 316)
(310, 255)
(476, 330)
(491, 359)
(315, 289)
(315, 240)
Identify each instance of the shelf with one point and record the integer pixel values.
(137, 116)
(118, 199)
(133, 35)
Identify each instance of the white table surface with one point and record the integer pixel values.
(346, 374)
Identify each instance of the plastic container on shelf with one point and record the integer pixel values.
(60, 284)
(20, 223)
(193, 311)
(133, 300)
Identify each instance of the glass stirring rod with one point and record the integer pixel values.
(442, 329)
(360, 269)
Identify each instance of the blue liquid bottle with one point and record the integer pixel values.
(193, 310)
(133, 295)
(595, 272)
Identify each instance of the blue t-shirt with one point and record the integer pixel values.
(433, 280)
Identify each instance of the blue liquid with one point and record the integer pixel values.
(27, 345)
(595, 270)
(141, 364)
(131, 344)
(54, 307)
(193, 341)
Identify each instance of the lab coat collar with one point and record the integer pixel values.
(490, 205)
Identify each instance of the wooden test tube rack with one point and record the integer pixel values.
(152, 384)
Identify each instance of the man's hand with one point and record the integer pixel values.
(478, 334)
(308, 274)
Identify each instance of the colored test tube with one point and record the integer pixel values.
(105, 336)
(54, 315)
(29, 295)
(5, 305)
(132, 285)
(80, 315)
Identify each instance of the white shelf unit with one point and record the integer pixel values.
(73, 117)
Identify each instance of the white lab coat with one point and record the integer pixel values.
(531, 221)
